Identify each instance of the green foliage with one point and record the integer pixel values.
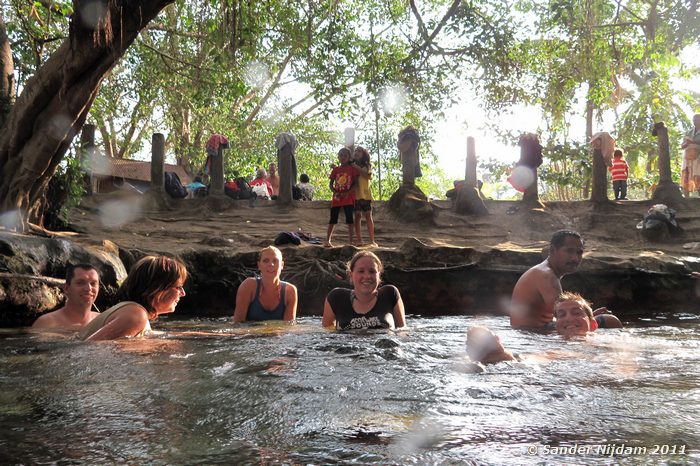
(250, 70)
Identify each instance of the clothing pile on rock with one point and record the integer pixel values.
(658, 217)
(292, 237)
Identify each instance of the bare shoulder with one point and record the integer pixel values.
(132, 312)
(250, 281)
(535, 273)
(46, 320)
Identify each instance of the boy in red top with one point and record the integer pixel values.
(343, 179)
(620, 171)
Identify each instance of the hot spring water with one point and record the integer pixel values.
(207, 392)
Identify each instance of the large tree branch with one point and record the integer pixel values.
(428, 39)
(273, 87)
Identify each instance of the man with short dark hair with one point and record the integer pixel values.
(532, 303)
(81, 289)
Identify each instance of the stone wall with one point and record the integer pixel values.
(432, 280)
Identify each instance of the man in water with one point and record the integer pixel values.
(81, 288)
(532, 303)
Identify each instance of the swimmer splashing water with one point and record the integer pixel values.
(574, 319)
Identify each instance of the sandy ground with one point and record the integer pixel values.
(609, 230)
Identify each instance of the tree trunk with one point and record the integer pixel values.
(599, 192)
(589, 135)
(667, 191)
(7, 82)
(55, 102)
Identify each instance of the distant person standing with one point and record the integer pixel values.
(342, 183)
(363, 195)
(306, 188)
(620, 172)
(690, 171)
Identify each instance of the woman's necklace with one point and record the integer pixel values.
(270, 300)
(362, 306)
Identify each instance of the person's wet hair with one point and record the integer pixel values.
(571, 296)
(149, 278)
(481, 342)
(560, 236)
(360, 254)
(269, 248)
(70, 271)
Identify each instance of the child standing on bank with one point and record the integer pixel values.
(620, 171)
(342, 182)
(363, 195)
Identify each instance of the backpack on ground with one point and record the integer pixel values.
(173, 186)
(238, 189)
(244, 189)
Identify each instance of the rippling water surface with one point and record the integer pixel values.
(208, 392)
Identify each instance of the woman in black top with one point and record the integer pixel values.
(367, 305)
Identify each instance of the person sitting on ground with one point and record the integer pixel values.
(574, 318)
(306, 189)
(367, 305)
(197, 188)
(81, 289)
(154, 287)
(274, 180)
(266, 297)
(261, 186)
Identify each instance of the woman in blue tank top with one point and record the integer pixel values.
(266, 297)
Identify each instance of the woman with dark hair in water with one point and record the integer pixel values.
(154, 286)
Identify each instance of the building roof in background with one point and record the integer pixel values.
(131, 169)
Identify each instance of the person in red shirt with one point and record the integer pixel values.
(265, 189)
(620, 171)
(342, 181)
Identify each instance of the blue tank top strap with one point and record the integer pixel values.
(257, 312)
(258, 280)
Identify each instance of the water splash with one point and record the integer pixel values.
(256, 74)
(60, 126)
(95, 163)
(114, 214)
(392, 99)
(10, 220)
(522, 177)
(92, 13)
(424, 434)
